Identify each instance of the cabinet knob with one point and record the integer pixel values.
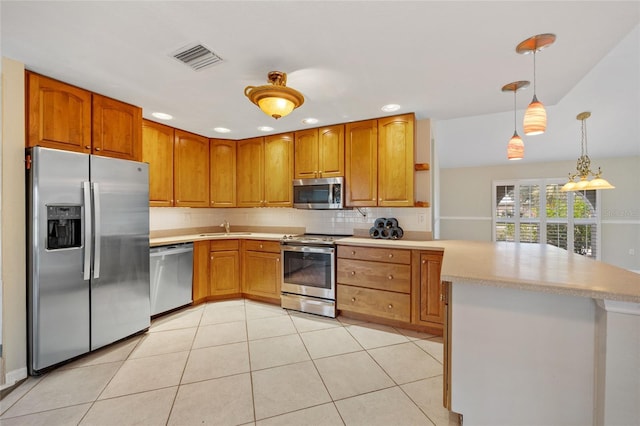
(277, 259)
(390, 277)
(260, 245)
(390, 255)
(424, 261)
(353, 252)
(353, 272)
(390, 306)
(87, 146)
(353, 299)
(97, 149)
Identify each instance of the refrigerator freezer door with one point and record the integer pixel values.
(120, 279)
(57, 294)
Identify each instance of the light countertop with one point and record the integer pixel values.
(187, 238)
(535, 267)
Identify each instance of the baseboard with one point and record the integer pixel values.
(13, 377)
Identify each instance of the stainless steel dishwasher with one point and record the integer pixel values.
(171, 270)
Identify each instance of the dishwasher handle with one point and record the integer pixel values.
(172, 249)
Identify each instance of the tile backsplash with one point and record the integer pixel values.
(315, 221)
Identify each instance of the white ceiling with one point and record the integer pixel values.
(441, 60)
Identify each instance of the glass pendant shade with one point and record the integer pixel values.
(569, 186)
(599, 183)
(515, 148)
(535, 118)
(276, 107)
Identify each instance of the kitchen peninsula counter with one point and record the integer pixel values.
(535, 334)
(188, 235)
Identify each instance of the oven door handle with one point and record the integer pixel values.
(308, 249)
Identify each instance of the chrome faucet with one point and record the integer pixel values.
(225, 225)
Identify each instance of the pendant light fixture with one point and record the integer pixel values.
(583, 166)
(275, 99)
(535, 118)
(515, 147)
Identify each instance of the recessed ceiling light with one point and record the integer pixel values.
(162, 115)
(265, 128)
(221, 130)
(310, 120)
(390, 107)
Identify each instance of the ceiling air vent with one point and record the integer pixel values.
(197, 57)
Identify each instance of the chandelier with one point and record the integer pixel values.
(583, 166)
(275, 99)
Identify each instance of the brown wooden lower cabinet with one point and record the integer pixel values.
(224, 268)
(200, 271)
(261, 270)
(379, 303)
(388, 284)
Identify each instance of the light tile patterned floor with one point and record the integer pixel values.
(241, 362)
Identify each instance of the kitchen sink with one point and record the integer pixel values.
(224, 234)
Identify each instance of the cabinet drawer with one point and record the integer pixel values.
(378, 303)
(375, 254)
(224, 245)
(382, 276)
(261, 245)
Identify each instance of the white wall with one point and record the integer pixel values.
(14, 317)
(472, 153)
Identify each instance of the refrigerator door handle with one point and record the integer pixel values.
(86, 266)
(97, 230)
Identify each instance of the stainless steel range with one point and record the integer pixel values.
(309, 273)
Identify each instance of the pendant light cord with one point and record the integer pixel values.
(514, 110)
(534, 72)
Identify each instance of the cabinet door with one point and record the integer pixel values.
(58, 115)
(278, 170)
(395, 161)
(224, 270)
(191, 170)
(261, 274)
(431, 307)
(361, 163)
(331, 151)
(306, 154)
(157, 150)
(223, 173)
(116, 129)
(200, 271)
(250, 173)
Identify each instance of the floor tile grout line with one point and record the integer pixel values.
(49, 410)
(253, 394)
(427, 352)
(416, 404)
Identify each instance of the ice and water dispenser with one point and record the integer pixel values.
(64, 227)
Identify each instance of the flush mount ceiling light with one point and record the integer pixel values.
(265, 128)
(535, 118)
(583, 165)
(162, 115)
(310, 120)
(221, 130)
(275, 99)
(390, 107)
(515, 147)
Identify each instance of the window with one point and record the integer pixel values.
(536, 211)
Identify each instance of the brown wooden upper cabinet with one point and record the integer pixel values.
(157, 150)
(223, 173)
(116, 129)
(265, 171)
(58, 114)
(63, 116)
(379, 162)
(319, 152)
(191, 169)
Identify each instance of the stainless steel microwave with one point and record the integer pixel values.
(318, 194)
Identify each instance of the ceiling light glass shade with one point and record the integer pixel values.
(515, 148)
(599, 183)
(582, 184)
(276, 100)
(535, 118)
(569, 186)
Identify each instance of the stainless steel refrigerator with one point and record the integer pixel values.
(88, 253)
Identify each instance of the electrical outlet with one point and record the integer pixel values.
(632, 252)
(422, 218)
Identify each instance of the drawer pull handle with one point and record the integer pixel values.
(353, 299)
(390, 277)
(390, 306)
(390, 255)
(260, 245)
(353, 252)
(353, 272)
(424, 261)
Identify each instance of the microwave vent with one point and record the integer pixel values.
(197, 56)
